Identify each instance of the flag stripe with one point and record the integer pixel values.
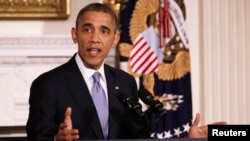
(143, 59)
(148, 62)
(152, 67)
(137, 54)
(144, 62)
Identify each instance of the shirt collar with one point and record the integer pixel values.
(86, 72)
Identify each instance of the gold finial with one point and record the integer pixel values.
(115, 5)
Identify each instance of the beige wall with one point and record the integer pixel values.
(43, 27)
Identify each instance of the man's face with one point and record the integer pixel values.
(95, 36)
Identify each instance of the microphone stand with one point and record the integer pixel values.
(144, 132)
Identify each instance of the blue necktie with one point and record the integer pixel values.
(101, 105)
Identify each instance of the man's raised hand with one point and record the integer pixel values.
(66, 131)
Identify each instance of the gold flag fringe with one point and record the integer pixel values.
(177, 69)
(125, 49)
(148, 83)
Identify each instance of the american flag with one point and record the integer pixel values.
(143, 57)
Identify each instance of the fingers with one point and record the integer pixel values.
(74, 134)
(67, 118)
(70, 135)
(67, 135)
(62, 126)
(66, 132)
(197, 120)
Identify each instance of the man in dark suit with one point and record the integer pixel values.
(61, 107)
(61, 104)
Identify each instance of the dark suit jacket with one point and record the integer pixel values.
(52, 92)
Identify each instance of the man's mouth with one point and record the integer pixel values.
(94, 51)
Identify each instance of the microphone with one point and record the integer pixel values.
(148, 99)
(131, 103)
(141, 118)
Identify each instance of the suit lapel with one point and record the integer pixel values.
(112, 96)
(79, 91)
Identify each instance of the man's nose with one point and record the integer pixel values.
(95, 36)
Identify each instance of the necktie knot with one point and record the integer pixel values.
(96, 76)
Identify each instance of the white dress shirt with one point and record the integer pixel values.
(88, 73)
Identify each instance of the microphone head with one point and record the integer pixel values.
(148, 99)
(131, 103)
(123, 97)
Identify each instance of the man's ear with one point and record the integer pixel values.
(116, 40)
(74, 35)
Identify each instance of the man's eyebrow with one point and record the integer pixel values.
(87, 24)
(105, 28)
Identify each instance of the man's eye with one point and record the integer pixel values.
(105, 32)
(87, 30)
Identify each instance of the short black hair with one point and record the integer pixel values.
(98, 7)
